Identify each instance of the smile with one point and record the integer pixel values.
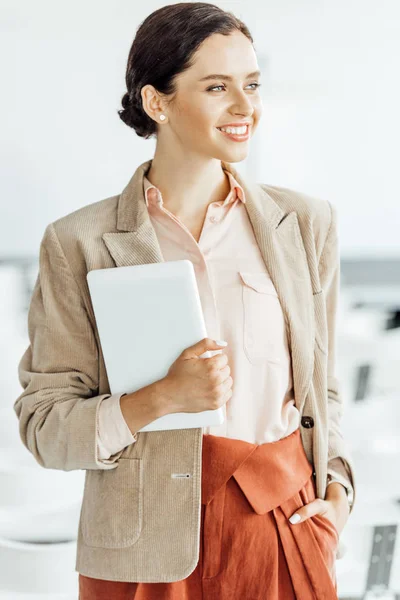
(237, 137)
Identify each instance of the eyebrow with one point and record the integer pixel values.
(227, 77)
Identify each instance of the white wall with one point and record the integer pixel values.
(330, 127)
(332, 124)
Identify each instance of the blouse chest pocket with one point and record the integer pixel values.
(263, 320)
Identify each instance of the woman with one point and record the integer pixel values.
(198, 513)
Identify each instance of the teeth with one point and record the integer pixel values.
(234, 130)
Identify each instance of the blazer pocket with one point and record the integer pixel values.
(112, 506)
(321, 328)
(263, 319)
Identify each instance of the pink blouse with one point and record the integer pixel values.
(241, 306)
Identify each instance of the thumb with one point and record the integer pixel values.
(312, 508)
(203, 347)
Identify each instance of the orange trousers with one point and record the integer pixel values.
(248, 547)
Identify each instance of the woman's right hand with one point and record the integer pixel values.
(196, 384)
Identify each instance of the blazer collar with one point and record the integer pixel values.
(279, 238)
(132, 209)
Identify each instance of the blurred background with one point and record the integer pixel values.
(330, 128)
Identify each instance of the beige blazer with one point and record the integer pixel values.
(137, 522)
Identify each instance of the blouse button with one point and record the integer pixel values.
(214, 219)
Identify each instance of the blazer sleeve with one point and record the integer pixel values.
(58, 407)
(329, 273)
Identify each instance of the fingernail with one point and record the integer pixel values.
(221, 342)
(295, 518)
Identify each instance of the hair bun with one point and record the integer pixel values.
(125, 101)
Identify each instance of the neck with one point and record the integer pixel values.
(188, 185)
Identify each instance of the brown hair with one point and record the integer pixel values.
(163, 47)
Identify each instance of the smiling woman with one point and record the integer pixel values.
(193, 83)
(193, 513)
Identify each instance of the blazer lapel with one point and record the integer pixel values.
(279, 239)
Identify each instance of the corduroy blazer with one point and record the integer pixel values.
(138, 522)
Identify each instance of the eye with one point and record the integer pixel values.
(220, 86)
(214, 88)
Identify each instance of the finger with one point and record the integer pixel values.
(312, 508)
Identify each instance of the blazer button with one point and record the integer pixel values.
(307, 422)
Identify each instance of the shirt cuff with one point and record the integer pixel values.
(337, 472)
(113, 433)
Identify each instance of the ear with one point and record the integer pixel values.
(152, 102)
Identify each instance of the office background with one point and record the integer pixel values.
(330, 128)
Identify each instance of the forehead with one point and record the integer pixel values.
(230, 54)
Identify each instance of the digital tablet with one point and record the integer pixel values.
(146, 315)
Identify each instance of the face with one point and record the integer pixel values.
(200, 106)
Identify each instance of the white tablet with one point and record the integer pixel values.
(146, 315)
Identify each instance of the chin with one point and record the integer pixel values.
(234, 157)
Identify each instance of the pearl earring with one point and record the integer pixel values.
(162, 117)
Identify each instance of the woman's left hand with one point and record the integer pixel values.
(335, 507)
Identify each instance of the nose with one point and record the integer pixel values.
(244, 105)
